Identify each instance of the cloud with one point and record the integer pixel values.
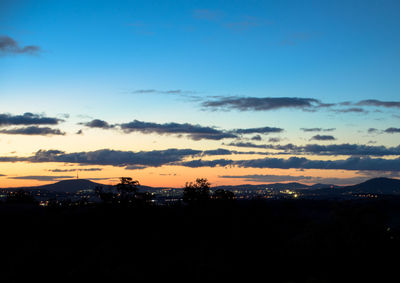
(74, 170)
(274, 140)
(351, 163)
(317, 129)
(351, 110)
(392, 130)
(178, 157)
(194, 132)
(379, 103)
(41, 178)
(32, 130)
(267, 178)
(256, 138)
(135, 167)
(206, 163)
(372, 130)
(171, 91)
(262, 103)
(263, 130)
(291, 178)
(27, 119)
(250, 144)
(153, 158)
(333, 149)
(10, 46)
(347, 149)
(97, 123)
(323, 138)
(219, 151)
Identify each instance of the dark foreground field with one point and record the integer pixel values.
(281, 241)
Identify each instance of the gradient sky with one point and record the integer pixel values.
(302, 91)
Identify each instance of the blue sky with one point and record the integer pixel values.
(158, 61)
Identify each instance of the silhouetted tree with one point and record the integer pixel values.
(127, 190)
(106, 197)
(197, 191)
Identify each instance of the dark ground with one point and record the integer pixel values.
(274, 241)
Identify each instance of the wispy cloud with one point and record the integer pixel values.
(11, 46)
(317, 129)
(74, 170)
(262, 103)
(379, 103)
(41, 178)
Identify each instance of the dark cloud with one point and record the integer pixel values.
(263, 130)
(135, 167)
(333, 149)
(268, 178)
(27, 119)
(290, 178)
(153, 158)
(323, 138)
(219, 151)
(41, 178)
(32, 130)
(317, 129)
(10, 46)
(379, 103)
(206, 163)
(74, 170)
(351, 110)
(256, 138)
(347, 149)
(97, 123)
(249, 144)
(194, 132)
(273, 140)
(392, 130)
(263, 103)
(351, 163)
(157, 158)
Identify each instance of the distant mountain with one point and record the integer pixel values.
(277, 186)
(385, 186)
(70, 186)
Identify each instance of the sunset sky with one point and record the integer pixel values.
(167, 91)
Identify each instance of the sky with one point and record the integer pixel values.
(169, 91)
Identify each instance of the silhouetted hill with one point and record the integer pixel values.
(384, 186)
(70, 186)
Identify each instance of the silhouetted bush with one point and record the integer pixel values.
(198, 191)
